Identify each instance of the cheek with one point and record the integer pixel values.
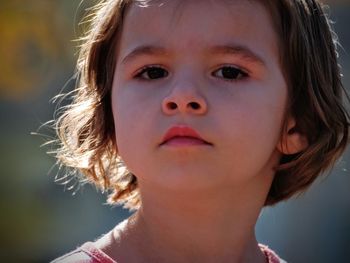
(126, 125)
(134, 116)
(130, 106)
(251, 127)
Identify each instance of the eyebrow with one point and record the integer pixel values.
(144, 50)
(232, 49)
(239, 50)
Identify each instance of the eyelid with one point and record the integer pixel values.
(244, 70)
(246, 73)
(137, 74)
(142, 69)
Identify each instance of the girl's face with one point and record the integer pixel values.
(212, 66)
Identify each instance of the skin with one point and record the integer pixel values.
(200, 203)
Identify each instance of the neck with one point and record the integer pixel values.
(215, 226)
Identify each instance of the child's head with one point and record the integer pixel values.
(288, 89)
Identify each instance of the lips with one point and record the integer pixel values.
(182, 135)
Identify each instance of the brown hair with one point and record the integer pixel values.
(308, 58)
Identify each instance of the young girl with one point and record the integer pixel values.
(197, 114)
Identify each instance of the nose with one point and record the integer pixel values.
(184, 99)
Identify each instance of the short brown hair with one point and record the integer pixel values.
(308, 59)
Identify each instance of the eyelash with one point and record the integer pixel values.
(241, 74)
(146, 69)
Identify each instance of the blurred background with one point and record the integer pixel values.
(41, 220)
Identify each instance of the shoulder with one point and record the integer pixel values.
(271, 255)
(76, 256)
(87, 253)
(99, 251)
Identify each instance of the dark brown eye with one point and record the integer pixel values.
(230, 73)
(150, 73)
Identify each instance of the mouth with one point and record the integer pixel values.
(182, 135)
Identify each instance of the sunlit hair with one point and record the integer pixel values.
(308, 58)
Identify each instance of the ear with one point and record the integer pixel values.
(292, 141)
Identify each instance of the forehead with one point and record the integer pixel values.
(190, 24)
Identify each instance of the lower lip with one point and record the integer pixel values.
(184, 141)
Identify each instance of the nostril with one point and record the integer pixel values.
(194, 105)
(184, 105)
(172, 105)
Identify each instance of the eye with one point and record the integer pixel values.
(152, 72)
(230, 73)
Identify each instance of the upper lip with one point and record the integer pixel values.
(182, 131)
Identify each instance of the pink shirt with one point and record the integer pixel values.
(89, 253)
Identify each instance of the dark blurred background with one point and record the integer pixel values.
(41, 220)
